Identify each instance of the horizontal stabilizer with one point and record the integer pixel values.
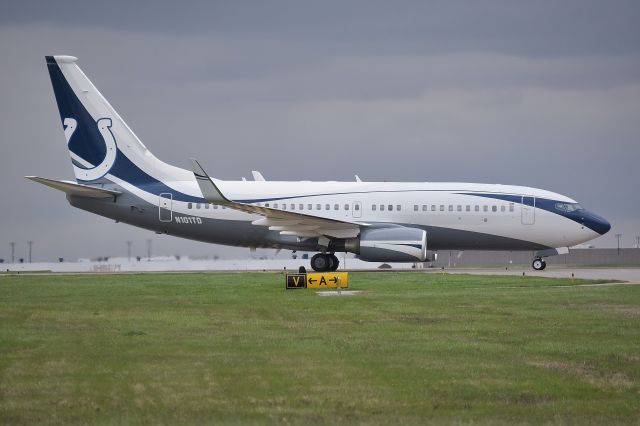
(76, 189)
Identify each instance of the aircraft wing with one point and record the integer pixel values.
(287, 222)
(76, 189)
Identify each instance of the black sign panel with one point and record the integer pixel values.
(296, 281)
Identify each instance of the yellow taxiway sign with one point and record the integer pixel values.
(318, 280)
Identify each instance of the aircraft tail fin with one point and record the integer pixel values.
(97, 137)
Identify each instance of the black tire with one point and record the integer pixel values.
(334, 262)
(320, 262)
(538, 264)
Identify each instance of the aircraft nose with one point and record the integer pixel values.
(596, 222)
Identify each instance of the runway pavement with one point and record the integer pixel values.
(618, 274)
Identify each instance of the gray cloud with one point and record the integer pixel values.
(539, 94)
(544, 27)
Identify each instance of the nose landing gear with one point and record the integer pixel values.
(539, 264)
(323, 262)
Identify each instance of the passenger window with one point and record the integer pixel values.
(373, 207)
(206, 206)
(485, 208)
(189, 205)
(494, 208)
(381, 207)
(425, 207)
(301, 206)
(441, 207)
(346, 206)
(215, 207)
(433, 208)
(459, 208)
(450, 208)
(336, 207)
(266, 204)
(284, 206)
(318, 206)
(510, 207)
(415, 207)
(275, 205)
(390, 207)
(327, 207)
(293, 206)
(398, 207)
(309, 206)
(356, 207)
(477, 208)
(468, 208)
(502, 208)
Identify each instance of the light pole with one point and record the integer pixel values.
(148, 250)
(30, 245)
(13, 251)
(618, 238)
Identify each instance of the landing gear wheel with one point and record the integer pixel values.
(323, 262)
(539, 264)
(320, 262)
(334, 262)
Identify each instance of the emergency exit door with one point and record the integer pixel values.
(165, 212)
(528, 210)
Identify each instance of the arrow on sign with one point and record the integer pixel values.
(334, 279)
(311, 280)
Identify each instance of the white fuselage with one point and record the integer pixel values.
(444, 205)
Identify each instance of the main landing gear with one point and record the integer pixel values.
(539, 264)
(323, 262)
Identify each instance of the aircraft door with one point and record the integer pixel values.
(528, 210)
(165, 212)
(356, 209)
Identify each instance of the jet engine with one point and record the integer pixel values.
(392, 244)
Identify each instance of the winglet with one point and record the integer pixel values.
(209, 189)
(257, 176)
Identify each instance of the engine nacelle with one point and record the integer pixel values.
(396, 244)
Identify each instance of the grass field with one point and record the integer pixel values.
(238, 348)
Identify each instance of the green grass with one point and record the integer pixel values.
(238, 348)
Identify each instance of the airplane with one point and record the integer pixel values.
(117, 177)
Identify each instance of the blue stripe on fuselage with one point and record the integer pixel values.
(582, 216)
(125, 169)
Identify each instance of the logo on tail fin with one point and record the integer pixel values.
(83, 169)
(70, 125)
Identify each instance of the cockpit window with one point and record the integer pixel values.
(568, 207)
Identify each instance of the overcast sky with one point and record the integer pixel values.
(538, 93)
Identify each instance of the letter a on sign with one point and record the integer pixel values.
(328, 280)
